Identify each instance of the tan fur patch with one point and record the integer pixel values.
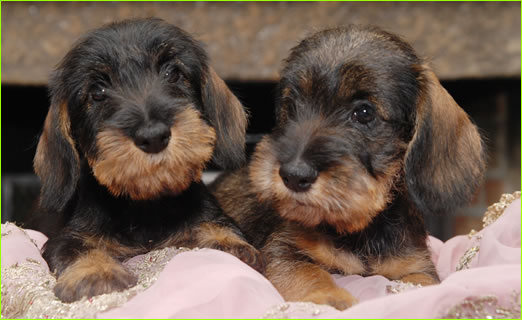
(92, 274)
(395, 268)
(336, 297)
(94, 261)
(112, 247)
(126, 170)
(344, 196)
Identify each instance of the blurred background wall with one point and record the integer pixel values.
(473, 47)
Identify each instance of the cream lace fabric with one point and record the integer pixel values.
(28, 292)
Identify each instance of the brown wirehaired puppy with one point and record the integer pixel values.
(136, 114)
(367, 141)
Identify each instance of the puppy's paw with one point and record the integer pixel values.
(335, 297)
(220, 237)
(88, 278)
(244, 251)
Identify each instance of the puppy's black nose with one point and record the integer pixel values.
(152, 138)
(298, 176)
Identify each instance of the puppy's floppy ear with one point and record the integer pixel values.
(56, 161)
(444, 161)
(227, 116)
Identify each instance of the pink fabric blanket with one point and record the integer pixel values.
(480, 276)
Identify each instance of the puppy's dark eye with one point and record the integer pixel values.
(172, 74)
(363, 113)
(98, 93)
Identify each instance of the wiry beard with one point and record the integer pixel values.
(126, 170)
(344, 196)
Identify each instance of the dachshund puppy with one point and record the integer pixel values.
(136, 114)
(366, 142)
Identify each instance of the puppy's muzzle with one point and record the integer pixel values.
(297, 175)
(152, 137)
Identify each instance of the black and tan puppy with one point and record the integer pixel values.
(136, 114)
(367, 141)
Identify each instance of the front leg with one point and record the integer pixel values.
(85, 271)
(298, 277)
(226, 237)
(305, 281)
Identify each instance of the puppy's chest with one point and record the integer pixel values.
(145, 225)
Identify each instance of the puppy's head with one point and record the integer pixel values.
(138, 103)
(361, 118)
